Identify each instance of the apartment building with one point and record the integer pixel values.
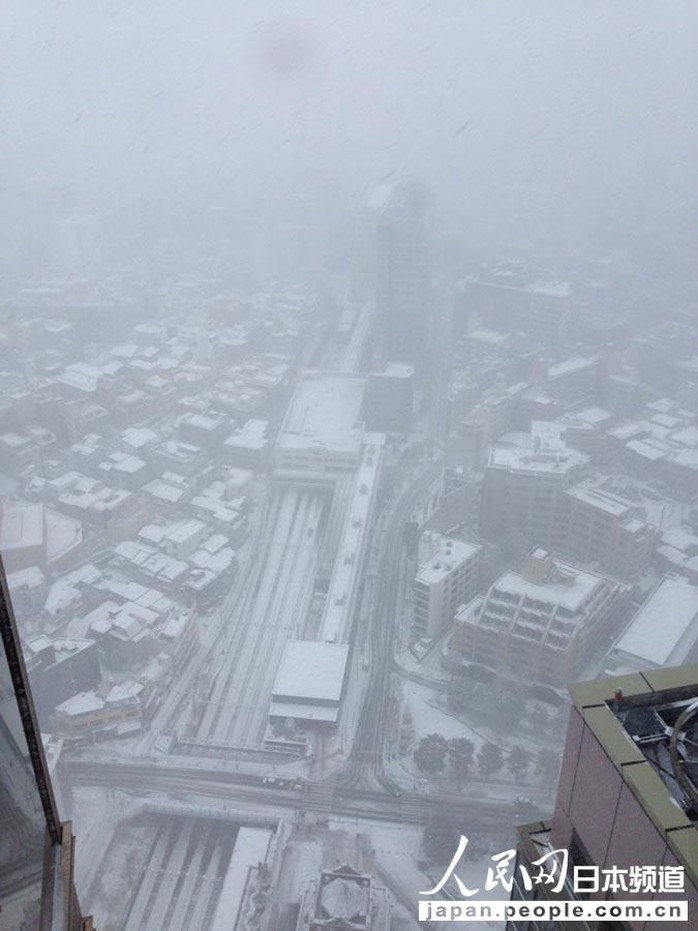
(600, 525)
(523, 491)
(542, 624)
(447, 578)
(543, 495)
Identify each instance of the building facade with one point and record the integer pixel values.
(542, 624)
(447, 578)
(403, 298)
(627, 799)
(542, 495)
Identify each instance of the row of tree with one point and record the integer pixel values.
(434, 753)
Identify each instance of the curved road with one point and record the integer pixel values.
(365, 763)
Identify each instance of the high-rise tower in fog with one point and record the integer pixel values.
(403, 274)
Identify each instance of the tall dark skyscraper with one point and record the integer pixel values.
(36, 850)
(403, 274)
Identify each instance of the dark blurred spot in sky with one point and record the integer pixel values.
(287, 48)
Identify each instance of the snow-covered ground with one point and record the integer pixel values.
(428, 718)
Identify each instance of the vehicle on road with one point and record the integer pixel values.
(391, 786)
(275, 782)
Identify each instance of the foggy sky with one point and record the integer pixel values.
(494, 102)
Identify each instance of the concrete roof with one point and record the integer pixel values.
(325, 412)
(666, 624)
(311, 671)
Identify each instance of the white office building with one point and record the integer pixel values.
(447, 578)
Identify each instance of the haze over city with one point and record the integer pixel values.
(584, 112)
(348, 463)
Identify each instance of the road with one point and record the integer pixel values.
(365, 762)
(324, 800)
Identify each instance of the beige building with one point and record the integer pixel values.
(542, 624)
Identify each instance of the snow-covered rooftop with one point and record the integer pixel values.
(83, 703)
(138, 437)
(251, 435)
(451, 554)
(21, 526)
(570, 592)
(665, 628)
(600, 498)
(647, 450)
(164, 491)
(558, 461)
(325, 412)
(311, 672)
(340, 602)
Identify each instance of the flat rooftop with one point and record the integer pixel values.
(601, 499)
(311, 672)
(21, 525)
(665, 624)
(570, 593)
(253, 434)
(558, 461)
(339, 605)
(445, 561)
(325, 411)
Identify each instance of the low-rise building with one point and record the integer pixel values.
(206, 431)
(17, 451)
(138, 441)
(34, 535)
(322, 431)
(124, 470)
(210, 558)
(148, 564)
(88, 715)
(91, 500)
(310, 682)
(59, 669)
(168, 491)
(249, 445)
(130, 633)
(181, 458)
(87, 452)
(176, 538)
(28, 589)
(663, 632)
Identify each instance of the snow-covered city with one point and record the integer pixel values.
(335, 530)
